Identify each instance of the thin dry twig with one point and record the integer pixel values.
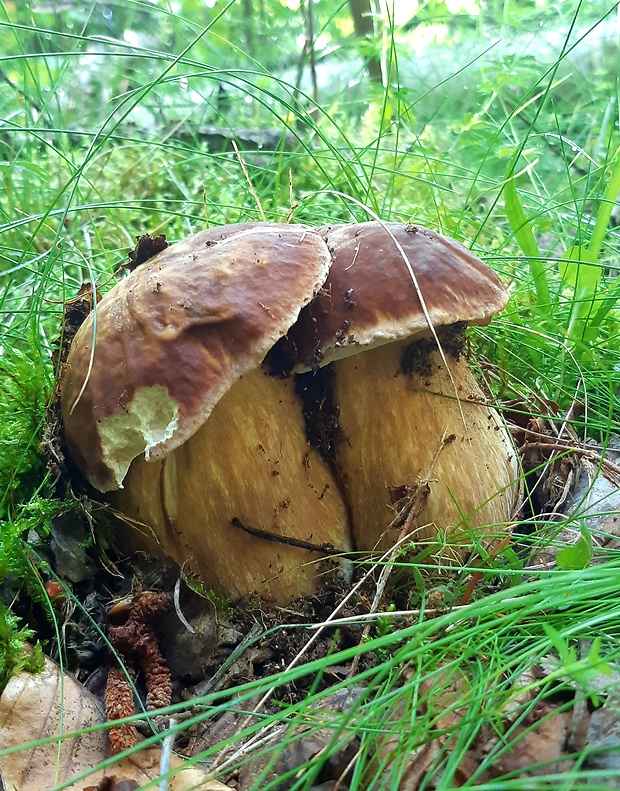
(409, 508)
(249, 180)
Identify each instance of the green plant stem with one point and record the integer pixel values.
(524, 236)
(604, 213)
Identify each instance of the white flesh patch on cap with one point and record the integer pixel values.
(149, 419)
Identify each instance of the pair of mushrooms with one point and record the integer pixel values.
(259, 396)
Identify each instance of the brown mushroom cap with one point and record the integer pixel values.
(176, 334)
(370, 299)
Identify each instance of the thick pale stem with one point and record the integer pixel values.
(250, 464)
(401, 431)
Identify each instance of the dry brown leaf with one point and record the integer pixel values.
(540, 740)
(445, 698)
(37, 706)
(541, 750)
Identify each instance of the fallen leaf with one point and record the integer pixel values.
(38, 706)
(540, 750)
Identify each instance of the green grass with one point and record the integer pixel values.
(513, 150)
(452, 676)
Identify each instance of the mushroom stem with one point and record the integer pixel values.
(245, 467)
(405, 436)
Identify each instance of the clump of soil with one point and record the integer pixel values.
(146, 247)
(75, 314)
(415, 359)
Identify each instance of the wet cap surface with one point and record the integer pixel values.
(176, 334)
(370, 299)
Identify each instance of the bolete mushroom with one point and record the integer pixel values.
(412, 434)
(166, 407)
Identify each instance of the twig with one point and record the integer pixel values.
(308, 15)
(381, 583)
(249, 180)
(373, 616)
(587, 453)
(166, 754)
(256, 742)
(291, 542)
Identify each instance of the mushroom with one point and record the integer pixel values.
(411, 437)
(167, 408)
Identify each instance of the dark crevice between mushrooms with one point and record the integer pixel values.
(315, 390)
(281, 358)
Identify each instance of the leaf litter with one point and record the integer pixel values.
(35, 707)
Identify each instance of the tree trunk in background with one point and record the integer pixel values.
(362, 13)
(309, 49)
(248, 24)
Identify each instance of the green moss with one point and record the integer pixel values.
(22, 412)
(15, 652)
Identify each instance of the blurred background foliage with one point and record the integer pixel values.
(123, 117)
(446, 85)
(64, 63)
